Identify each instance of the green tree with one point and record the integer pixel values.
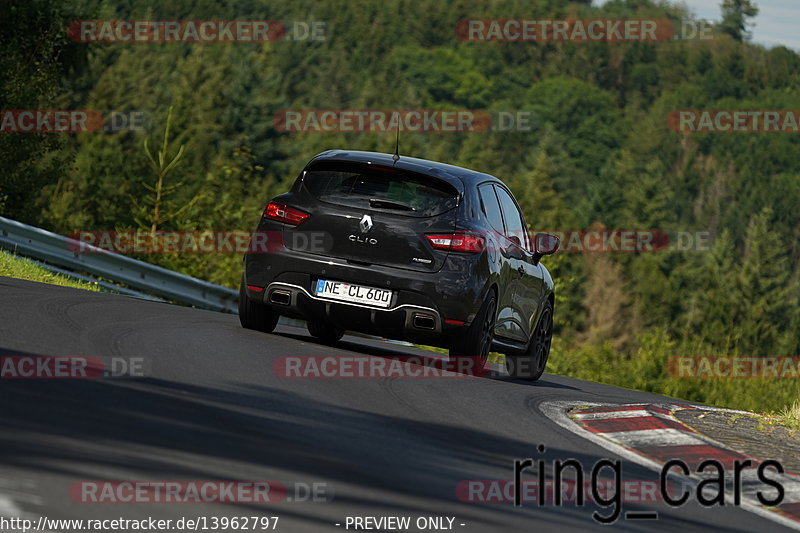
(764, 287)
(735, 15)
(35, 55)
(157, 208)
(711, 302)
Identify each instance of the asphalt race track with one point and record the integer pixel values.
(210, 407)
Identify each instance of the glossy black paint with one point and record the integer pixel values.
(452, 286)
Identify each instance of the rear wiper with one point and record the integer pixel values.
(388, 204)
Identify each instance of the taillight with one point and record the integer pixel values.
(284, 213)
(458, 242)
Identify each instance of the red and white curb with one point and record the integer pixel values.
(649, 435)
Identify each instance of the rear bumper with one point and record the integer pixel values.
(394, 322)
(420, 302)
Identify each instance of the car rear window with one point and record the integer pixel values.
(379, 188)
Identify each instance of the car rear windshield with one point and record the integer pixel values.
(380, 188)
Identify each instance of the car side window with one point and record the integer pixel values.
(515, 225)
(491, 207)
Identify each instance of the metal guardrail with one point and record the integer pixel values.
(60, 251)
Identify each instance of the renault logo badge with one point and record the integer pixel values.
(365, 224)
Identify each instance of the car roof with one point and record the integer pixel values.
(412, 164)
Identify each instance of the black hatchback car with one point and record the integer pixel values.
(406, 249)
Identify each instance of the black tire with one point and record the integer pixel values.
(531, 365)
(470, 351)
(324, 331)
(255, 315)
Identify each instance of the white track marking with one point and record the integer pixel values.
(654, 437)
(613, 414)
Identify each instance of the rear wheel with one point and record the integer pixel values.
(255, 315)
(531, 365)
(324, 331)
(470, 351)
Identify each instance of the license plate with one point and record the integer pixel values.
(350, 292)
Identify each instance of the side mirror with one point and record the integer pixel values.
(545, 244)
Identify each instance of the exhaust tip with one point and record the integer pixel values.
(423, 321)
(280, 297)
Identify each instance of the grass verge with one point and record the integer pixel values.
(790, 416)
(14, 266)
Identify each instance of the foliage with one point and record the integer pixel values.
(734, 17)
(157, 209)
